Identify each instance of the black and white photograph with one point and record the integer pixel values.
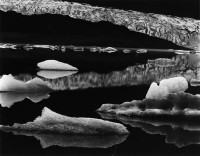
(100, 77)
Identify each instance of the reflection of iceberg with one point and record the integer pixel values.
(179, 131)
(7, 99)
(53, 123)
(85, 141)
(9, 84)
(174, 104)
(55, 74)
(181, 31)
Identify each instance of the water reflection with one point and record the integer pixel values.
(7, 99)
(143, 74)
(84, 141)
(54, 74)
(178, 131)
(13, 90)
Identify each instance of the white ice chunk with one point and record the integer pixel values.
(55, 65)
(9, 84)
(171, 85)
(175, 85)
(157, 92)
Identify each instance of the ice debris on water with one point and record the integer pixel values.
(141, 51)
(55, 65)
(109, 50)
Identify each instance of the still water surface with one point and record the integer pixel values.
(115, 78)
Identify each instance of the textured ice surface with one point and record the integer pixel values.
(9, 84)
(166, 86)
(174, 104)
(55, 65)
(178, 131)
(184, 32)
(55, 74)
(51, 122)
(7, 99)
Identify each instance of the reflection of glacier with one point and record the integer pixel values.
(181, 31)
(47, 140)
(154, 71)
(180, 132)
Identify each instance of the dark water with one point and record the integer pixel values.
(102, 78)
(84, 101)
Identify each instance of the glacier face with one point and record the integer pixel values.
(184, 32)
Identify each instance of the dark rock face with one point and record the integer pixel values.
(184, 32)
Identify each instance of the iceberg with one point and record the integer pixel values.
(166, 86)
(55, 65)
(178, 131)
(53, 123)
(9, 84)
(174, 104)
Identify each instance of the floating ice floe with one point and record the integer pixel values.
(166, 99)
(166, 86)
(174, 104)
(181, 133)
(7, 99)
(9, 84)
(55, 65)
(51, 122)
(55, 74)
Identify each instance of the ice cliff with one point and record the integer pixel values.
(184, 32)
